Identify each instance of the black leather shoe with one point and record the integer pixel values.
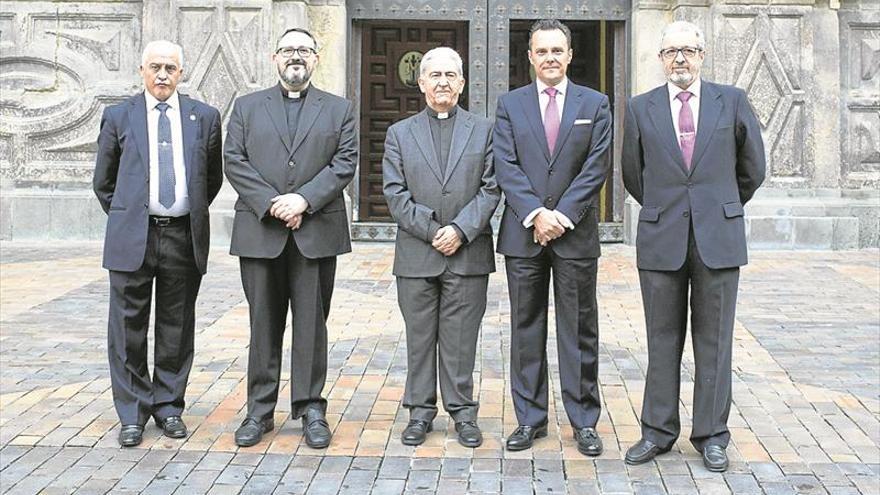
(715, 458)
(416, 431)
(588, 441)
(251, 431)
(643, 451)
(523, 436)
(131, 435)
(469, 434)
(315, 429)
(172, 426)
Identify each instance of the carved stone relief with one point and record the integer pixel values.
(860, 56)
(764, 53)
(57, 71)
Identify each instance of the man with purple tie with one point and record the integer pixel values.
(552, 152)
(692, 157)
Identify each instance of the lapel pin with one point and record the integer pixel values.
(192, 117)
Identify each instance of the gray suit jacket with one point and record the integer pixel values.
(259, 153)
(727, 168)
(422, 199)
(122, 171)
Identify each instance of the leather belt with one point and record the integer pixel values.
(168, 221)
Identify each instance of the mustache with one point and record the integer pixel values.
(293, 63)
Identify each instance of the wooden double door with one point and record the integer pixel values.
(388, 88)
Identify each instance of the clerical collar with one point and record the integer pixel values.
(442, 115)
(293, 95)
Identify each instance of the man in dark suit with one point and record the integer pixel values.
(158, 167)
(552, 153)
(692, 157)
(290, 151)
(439, 182)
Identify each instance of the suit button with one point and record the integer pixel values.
(550, 171)
(291, 163)
(690, 185)
(686, 214)
(549, 199)
(146, 205)
(446, 193)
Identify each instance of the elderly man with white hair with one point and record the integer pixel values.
(158, 167)
(692, 157)
(440, 186)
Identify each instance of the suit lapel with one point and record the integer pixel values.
(310, 111)
(421, 131)
(530, 106)
(710, 109)
(137, 121)
(661, 117)
(189, 123)
(278, 114)
(461, 133)
(573, 102)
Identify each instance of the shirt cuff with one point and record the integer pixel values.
(530, 218)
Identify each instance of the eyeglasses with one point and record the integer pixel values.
(687, 51)
(302, 51)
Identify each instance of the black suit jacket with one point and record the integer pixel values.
(422, 198)
(259, 154)
(569, 180)
(122, 174)
(726, 169)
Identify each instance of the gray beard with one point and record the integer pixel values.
(292, 79)
(685, 78)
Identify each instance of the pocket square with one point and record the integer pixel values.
(582, 121)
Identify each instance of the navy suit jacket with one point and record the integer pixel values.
(122, 177)
(726, 169)
(569, 180)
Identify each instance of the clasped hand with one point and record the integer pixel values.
(548, 226)
(289, 208)
(446, 240)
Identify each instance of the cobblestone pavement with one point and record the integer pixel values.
(805, 418)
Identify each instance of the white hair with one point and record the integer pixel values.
(162, 45)
(440, 51)
(684, 27)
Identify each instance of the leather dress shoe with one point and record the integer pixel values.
(315, 429)
(416, 431)
(523, 436)
(643, 451)
(588, 441)
(715, 458)
(172, 426)
(469, 434)
(131, 435)
(251, 431)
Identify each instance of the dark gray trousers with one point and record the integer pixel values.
(577, 337)
(441, 314)
(713, 306)
(271, 286)
(170, 262)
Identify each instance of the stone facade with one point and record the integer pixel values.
(811, 70)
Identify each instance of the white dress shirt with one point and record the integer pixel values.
(675, 103)
(543, 100)
(181, 196)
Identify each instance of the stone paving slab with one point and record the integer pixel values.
(805, 415)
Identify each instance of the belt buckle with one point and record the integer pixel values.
(162, 221)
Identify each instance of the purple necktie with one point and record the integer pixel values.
(686, 132)
(551, 119)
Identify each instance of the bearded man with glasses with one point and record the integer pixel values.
(290, 151)
(692, 157)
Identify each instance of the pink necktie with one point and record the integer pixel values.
(686, 132)
(551, 119)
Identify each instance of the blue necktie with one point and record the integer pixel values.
(166, 158)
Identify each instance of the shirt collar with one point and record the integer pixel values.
(293, 95)
(436, 115)
(561, 88)
(173, 101)
(674, 90)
